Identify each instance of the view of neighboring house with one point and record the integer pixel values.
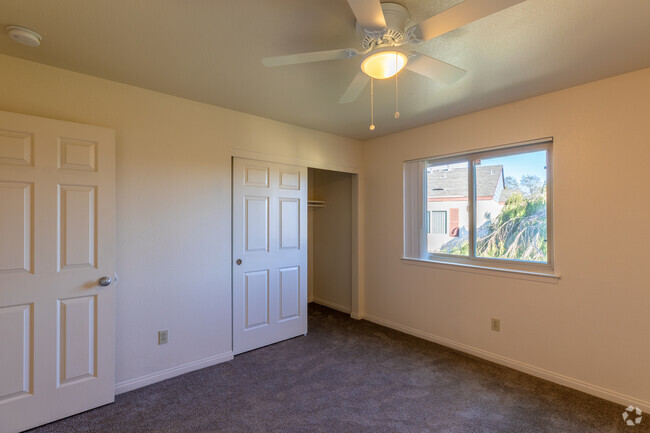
(447, 214)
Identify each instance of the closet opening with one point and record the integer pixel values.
(332, 240)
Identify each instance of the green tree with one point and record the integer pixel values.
(531, 185)
(519, 231)
(511, 182)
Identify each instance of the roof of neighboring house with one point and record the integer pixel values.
(506, 193)
(453, 183)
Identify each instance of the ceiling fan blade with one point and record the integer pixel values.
(317, 56)
(435, 69)
(355, 88)
(368, 13)
(455, 17)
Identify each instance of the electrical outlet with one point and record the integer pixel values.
(496, 325)
(163, 337)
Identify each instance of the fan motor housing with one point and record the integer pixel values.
(396, 17)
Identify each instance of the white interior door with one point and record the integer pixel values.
(57, 219)
(269, 253)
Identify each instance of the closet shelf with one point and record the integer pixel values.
(315, 203)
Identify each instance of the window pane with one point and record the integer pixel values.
(511, 215)
(447, 208)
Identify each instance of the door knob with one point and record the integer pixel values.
(104, 281)
(238, 261)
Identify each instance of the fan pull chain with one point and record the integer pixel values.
(396, 94)
(372, 103)
(396, 100)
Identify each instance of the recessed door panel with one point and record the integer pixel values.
(289, 223)
(257, 223)
(15, 351)
(77, 154)
(289, 293)
(76, 339)
(77, 226)
(256, 176)
(257, 298)
(15, 147)
(289, 178)
(16, 226)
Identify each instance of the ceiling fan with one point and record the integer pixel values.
(386, 40)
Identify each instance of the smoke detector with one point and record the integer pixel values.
(24, 36)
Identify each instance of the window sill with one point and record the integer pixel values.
(485, 270)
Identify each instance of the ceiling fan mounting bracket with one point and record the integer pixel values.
(412, 36)
(372, 34)
(390, 38)
(396, 17)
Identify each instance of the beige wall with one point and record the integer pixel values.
(590, 329)
(173, 231)
(173, 205)
(332, 240)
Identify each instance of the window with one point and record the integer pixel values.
(490, 208)
(438, 222)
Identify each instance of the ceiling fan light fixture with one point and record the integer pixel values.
(384, 64)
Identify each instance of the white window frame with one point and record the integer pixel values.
(485, 262)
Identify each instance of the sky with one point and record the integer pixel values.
(519, 165)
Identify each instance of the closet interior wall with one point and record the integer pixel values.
(330, 239)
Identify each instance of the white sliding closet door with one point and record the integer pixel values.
(269, 253)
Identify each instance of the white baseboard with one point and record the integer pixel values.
(332, 305)
(139, 382)
(570, 382)
(357, 316)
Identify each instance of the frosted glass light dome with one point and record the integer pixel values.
(384, 64)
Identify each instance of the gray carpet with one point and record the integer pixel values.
(352, 376)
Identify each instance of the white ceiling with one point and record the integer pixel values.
(210, 51)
